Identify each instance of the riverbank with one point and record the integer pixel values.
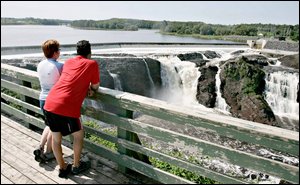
(232, 38)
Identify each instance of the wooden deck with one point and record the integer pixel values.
(19, 167)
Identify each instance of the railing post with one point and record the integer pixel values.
(130, 136)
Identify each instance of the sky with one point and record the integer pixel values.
(210, 12)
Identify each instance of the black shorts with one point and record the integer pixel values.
(63, 124)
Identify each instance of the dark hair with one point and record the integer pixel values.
(83, 48)
(50, 47)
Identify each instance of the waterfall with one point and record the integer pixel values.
(149, 76)
(117, 81)
(281, 93)
(221, 104)
(171, 82)
(179, 82)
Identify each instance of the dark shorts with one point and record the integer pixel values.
(63, 124)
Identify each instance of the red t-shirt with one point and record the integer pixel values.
(66, 96)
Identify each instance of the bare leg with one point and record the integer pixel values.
(57, 149)
(77, 146)
(44, 137)
(49, 142)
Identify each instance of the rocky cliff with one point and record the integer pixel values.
(137, 75)
(242, 87)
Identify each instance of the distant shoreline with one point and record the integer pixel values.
(236, 33)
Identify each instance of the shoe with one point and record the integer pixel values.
(63, 173)
(38, 159)
(48, 156)
(84, 165)
(37, 154)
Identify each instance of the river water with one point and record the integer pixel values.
(35, 35)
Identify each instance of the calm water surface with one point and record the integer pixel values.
(35, 35)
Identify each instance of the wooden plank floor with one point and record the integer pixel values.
(19, 167)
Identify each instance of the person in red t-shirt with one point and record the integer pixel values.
(80, 76)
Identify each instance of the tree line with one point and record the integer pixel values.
(170, 27)
(33, 21)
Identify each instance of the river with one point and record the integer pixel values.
(35, 35)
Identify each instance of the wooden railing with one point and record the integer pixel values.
(122, 106)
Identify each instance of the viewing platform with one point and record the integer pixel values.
(19, 167)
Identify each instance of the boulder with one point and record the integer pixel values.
(194, 57)
(190, 56)
(256, 60)
(211, 54)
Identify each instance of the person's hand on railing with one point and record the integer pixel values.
(92, 91)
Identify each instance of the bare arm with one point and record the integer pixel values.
(93, 88)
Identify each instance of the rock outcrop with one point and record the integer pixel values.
(133, 74)
(197, 57)
(206, 88)
(194, 57)
(242, 86)
(290, 61)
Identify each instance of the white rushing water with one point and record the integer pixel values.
(221, 104)
(153, 89)
(117, 81)
(179, 81)
(281, 93)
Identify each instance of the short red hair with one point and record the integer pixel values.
(49, 47)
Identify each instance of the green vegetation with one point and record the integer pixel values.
(33, 21)
(10, 93)
(116, 24)
(251, 76)
(194, 29)
(191, 176)
(13, 94)
(249, 30)
(97, 139)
